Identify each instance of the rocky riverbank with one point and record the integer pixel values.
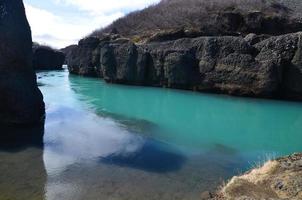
(255, 65)
(277, 179)
(239, 48)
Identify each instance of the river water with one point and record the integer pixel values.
(119, 142)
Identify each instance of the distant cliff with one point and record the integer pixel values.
(21, 102)
(47, 58)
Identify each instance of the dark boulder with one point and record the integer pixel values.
(122, 68)
(180, 70)
(21, 100)
(46, 58)
(282, 54)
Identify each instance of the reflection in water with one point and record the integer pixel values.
(153, 156)
(22, 172)
(75, 136)
(92, 154)
(199, 120)
(131, 124)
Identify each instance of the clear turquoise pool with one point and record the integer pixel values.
(120, 142)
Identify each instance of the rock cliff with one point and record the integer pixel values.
(244, 48)
(46, 58)
(84, 57)
(255, 65)
(21, 100)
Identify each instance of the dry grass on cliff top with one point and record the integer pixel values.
(276, 179)
(174, 14)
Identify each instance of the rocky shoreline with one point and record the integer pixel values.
(276, 179)
(255, 65)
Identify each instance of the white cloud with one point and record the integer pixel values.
(105, 6)
(58, 31)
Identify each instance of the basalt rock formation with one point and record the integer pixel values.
(238, 48)
(255, 65)
(276, 179)
(46, 58)
(83, 58)
(21, 102)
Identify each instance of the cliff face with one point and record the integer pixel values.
(259, 66)
(21, 100)
(45, 58)
(83, 58)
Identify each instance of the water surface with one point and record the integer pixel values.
(120, 142)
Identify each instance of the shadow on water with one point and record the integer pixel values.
(143, 127)
(223, 149)
(152, 156)
(23, 175)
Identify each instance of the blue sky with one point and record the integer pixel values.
(63, 22)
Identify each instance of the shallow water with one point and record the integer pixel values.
(120, 142)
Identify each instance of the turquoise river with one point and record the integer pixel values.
(117, 142)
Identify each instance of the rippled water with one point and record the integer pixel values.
(119, 142)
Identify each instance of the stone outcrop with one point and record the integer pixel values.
(275, 21)
(46, 58)
(83, 58)
(257, 65)
(234, 23)
(276, 179)
(21, 102)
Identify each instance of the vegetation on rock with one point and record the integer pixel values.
(276, 179)
(215, 17)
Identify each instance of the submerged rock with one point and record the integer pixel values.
(46, 58)
(21, 100)
(276, 179)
